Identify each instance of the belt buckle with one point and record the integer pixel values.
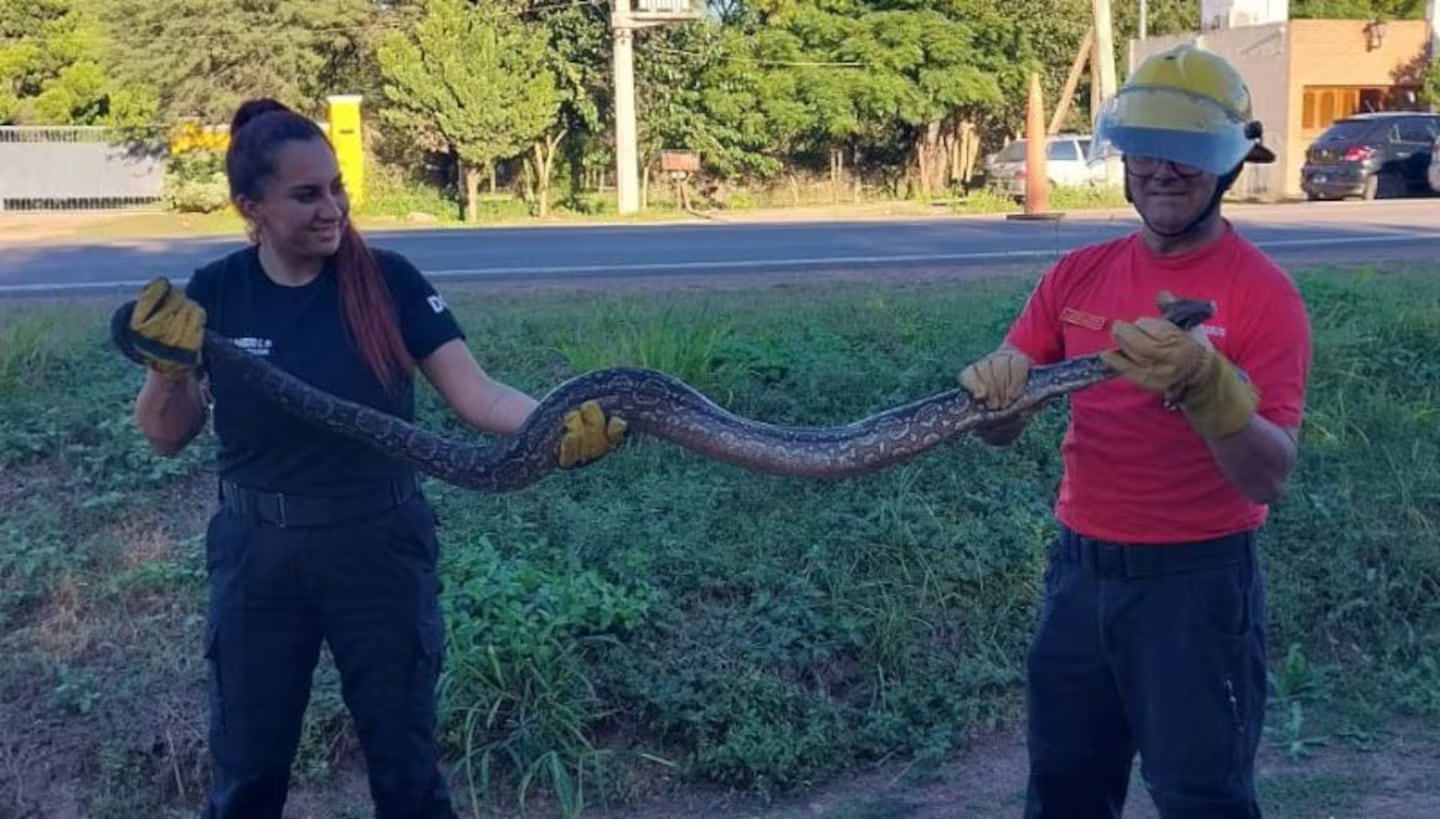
(280, 510)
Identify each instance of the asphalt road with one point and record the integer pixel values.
(1338, 232)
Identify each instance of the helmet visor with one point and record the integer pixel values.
(1170, 124)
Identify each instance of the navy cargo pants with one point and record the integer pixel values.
(1158, 650)
(283, 577)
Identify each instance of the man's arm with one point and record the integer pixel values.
(1222, 403)
(1003, 433)
(1258, 459)
(999, 378)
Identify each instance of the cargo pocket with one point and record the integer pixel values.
(215, 683)
(1221, 600)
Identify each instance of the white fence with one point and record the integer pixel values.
(78, 168)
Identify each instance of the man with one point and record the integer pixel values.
(1152, 632)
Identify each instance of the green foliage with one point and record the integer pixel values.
(872, 94)
(689, 344)
(659, 611)
(1357, 9)
(195, 182)
(202, 58)
(51, 71)
(524, 624)
(1429, 93)
(474, 78)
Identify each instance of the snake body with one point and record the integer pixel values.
(660, 405)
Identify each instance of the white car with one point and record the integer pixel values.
(1067, 165)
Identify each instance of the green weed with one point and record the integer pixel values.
(658, 611)
(687, 344)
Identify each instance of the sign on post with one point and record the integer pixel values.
(681, 162)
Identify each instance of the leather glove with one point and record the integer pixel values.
(1185, 367)
(998, 379)
(167, 329)
(588, 435)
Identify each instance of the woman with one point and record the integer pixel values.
(318, 537)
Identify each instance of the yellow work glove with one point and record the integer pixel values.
(167, 329)
(1158, 356)
(588, 435)
(998, 379)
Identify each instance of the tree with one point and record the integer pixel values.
(1357, 9)
(903, 74)
(50, 69)
(202, 58)
(579, 54)
(476, 77)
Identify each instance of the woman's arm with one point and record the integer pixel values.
(480, 400)
(170, 413)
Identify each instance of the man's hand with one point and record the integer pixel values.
(998, 379)
(168, 329)
(1158, 356)
(588, 435)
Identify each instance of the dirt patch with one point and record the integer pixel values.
(1396, 780)
(100, 709)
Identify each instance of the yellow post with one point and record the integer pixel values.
(349, 149)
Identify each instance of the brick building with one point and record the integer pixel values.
(1305, 74)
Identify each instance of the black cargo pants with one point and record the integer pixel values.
(285, 575)
(1158, 650)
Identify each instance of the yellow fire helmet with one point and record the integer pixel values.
(1186, 105)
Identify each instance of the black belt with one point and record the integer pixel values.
(1107, 559)
(285, 510)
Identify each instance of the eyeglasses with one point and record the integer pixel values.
(1149, 166)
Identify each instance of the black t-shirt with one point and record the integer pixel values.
(302, 331)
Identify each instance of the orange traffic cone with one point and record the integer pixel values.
(1037, 189)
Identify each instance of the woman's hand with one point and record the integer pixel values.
(167, 330)
(588, 435)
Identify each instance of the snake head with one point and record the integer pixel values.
(1186, 314)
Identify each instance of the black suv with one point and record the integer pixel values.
(1373, 156)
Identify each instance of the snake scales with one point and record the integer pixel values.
(660, 405)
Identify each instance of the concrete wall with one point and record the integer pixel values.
(1334, 52)
(1259, 54)
(78, 166)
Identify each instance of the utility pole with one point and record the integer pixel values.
(1072, 81)
(1104, 48)
(1104, 72)
(627, 164)
(1144, 21)
(627, 17)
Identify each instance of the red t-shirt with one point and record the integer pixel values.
(1135, 472)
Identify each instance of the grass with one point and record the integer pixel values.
(659, 617)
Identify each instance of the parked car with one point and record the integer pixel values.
(1373, 156)
(1067, 164)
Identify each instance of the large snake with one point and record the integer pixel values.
(660, 405)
